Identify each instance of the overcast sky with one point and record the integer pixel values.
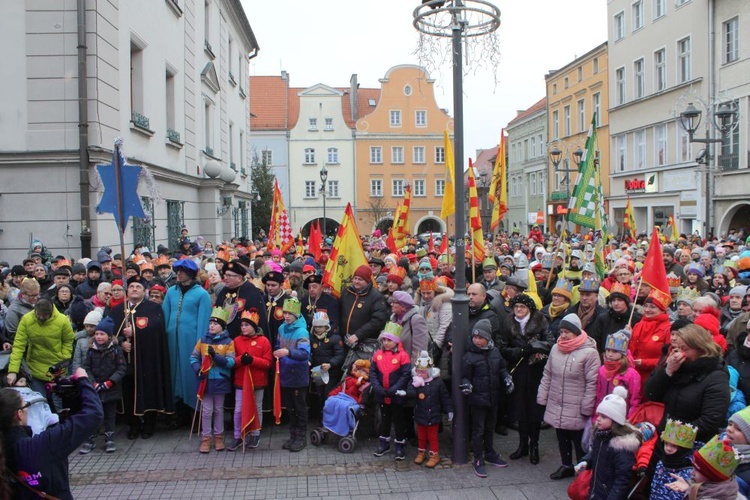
(328, 40)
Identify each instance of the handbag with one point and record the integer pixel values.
(579, 488)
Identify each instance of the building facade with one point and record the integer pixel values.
(574, 93)
(401, 143)
(180, 109)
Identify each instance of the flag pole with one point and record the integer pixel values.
(554, 257)
(120, 209)
(637, 290)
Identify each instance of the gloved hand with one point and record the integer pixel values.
(210, 351)
(580, 467)
(526, 351)
(509, 386)
(104, 386)
(641, 472)
(417, 381)
(202, 375)
(466, 388)
(246, 359)
(450, 416)
(401, 393)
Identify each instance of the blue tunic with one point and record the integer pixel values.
(187, 318)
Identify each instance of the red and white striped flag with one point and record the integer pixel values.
(280, 233)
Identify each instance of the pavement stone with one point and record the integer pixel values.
(168, 466)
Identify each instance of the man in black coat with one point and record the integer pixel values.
(239, 295)
(480, 308)
(615, 317)
(363, 309)
(315, 299)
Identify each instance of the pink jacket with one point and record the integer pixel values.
(631, 380)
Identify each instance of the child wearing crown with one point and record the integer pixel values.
(327, 358)
(678, 440)
(252, 360)
(713, 476)
(213, 359)
(616, 371)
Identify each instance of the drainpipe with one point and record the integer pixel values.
(83, 133)
(710, 122)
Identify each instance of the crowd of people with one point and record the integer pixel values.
(647, 392)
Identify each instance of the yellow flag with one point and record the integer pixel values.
(475, 220)
(498, 194)
(346, 255)
(449, 199)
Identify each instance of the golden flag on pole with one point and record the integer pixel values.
(498, 194)
(346, 255)
(475, 220)
(449, 200)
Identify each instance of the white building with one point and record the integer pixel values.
(168, 77)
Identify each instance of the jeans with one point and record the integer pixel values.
(392, 414)
(295, 402)
(213, 406)
(238, 411)
(483, 420)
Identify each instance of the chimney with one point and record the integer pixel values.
(354, 97)
(284, 75)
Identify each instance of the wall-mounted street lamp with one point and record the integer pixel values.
(324, 193)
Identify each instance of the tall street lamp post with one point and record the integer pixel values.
(323, 191)
(556, 157)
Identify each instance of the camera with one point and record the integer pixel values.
(62, 387)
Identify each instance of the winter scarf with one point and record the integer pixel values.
(725, 489)
(522, 323)
(568, 346)
(611, 368)
(555, 311)
(586, 315)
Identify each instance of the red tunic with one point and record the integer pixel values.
(649, 336)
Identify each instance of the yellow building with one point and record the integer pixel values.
(574, 93)
(400, 143)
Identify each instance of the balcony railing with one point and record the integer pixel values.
(140, 120)
(173, 135)
(729, 162)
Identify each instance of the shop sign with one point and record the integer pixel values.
(649, 184)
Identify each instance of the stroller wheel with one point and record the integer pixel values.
(347, 444)
(316, 437)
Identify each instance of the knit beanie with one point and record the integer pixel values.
(614, 406)
(93, 318)
(364, 272)
(572, 323)
(107, 325)
(709, 322)
(482, 328)
(740, 290)
(403, 298)
(741, 420)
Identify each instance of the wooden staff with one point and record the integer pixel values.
(554, 256)
(640, 282)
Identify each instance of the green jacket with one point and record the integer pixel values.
(43, 344)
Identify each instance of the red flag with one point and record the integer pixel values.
(277, 395)
(280, 233)
(654, 274)
(443, 245)
(314, 241)
(431, 246)
(390, 242)
(206, 365)
(250, 420)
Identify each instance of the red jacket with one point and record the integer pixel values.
(649, 336)
(259, 348)
(352, 387)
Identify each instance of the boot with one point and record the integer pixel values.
(219, 442)
(384, 446)
(421, 456)
(300, 442)
(292, 436)
(205, 444)
(109, 442)
(433, 461)
(534, 454)
(522, 451)
(400, 449)
(89, 445)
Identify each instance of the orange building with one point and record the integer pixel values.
(401, 143)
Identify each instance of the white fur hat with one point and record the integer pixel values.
(614, 406)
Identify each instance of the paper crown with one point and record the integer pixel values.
(423, 362)
(489, 263)
(161, 260)
(576, 254)
(320, 318)
(618, 341)
(673, 280)
(146, 266)
(223, 255)
(391, 331)
(547, 261)
(687, 295)
(427, 285)
(564, 287)
(660, 298)
(717, 460)
(252, 316)
(421, 252)
(695, 268)
(621, 288)
(64, 263)
(220, 314)
(589, 285)
(679, 434)
(397, 271)
(292, 305)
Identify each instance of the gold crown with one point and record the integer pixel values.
(252, 316)
(622, 288)
(673, 280)
(427, 285)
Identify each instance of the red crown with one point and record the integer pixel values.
(673, 280)
(252, 316)
(622, 288)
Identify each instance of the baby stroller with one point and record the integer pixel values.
(344, 408)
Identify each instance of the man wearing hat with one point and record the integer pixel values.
(274, 299)
(588, 308)
(489, 275)
(166, 276)
(316, 300)
(87, 289)
(147, 390)
(363, 309)
(295, 278)
(238, 295)
(670, 264)
(187, 309)
(615, 318)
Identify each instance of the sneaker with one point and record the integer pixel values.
(234, 444)
(253, 440)
(495, 459)
(110, 447)
(87, 447)
(479, 469)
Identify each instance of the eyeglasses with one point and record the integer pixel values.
(107, 293)
(26, 406)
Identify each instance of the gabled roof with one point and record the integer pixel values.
(538, 106)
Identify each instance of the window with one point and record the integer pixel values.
(526, 151)
(660, 143)
(533, 147)
(333, 189)
(681, 2)
(376, 188)
(731, 40)
(310, 191)
(243, 147)
(333, 155)
(397, 187)
(565, 82)
(683, 145)
(532, 183)
(230, 59)
(557, 180)
(208, 126)
(541, 187)
(418, 156)
(513, 187)
(542, 152)
(555, 125)
(580, 73)
(729, 158)
(312, 125)
(637, 15)
(683, 60)
(420, 118)
(640, 78)
(597, 100)
(419, 189)
(554, 89)
(439, 154)
(395, 118)
(376, 154)
(266, 156)
(621, 143)
(231, 146)
(309, 156)
(620, 85)
(566, 114)
(207, 24)
(136, 79)
(619, 26)
(581, 115)
(397, 154)
(329, 124)
(513, 152)
(440, 187)
(660, 8)
(171, 101)
(595, 65)
(639, 148)
(660, 70)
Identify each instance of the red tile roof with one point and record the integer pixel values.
(538, 106)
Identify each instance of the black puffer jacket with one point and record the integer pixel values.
(363, 314)
(485, 312)
(431, 400)
(739, 359)
(608, 323)
(485, 370)
(697, 394)
(106, 363)
(612, 458)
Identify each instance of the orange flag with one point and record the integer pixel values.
(277, 395)
(443, 245)
(346, 255)
(475, 221)
(314, 241)
(390, 242)
(431, 246)
(654, 274)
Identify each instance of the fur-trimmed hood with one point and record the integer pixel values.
(629, 442)
(442, 295)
